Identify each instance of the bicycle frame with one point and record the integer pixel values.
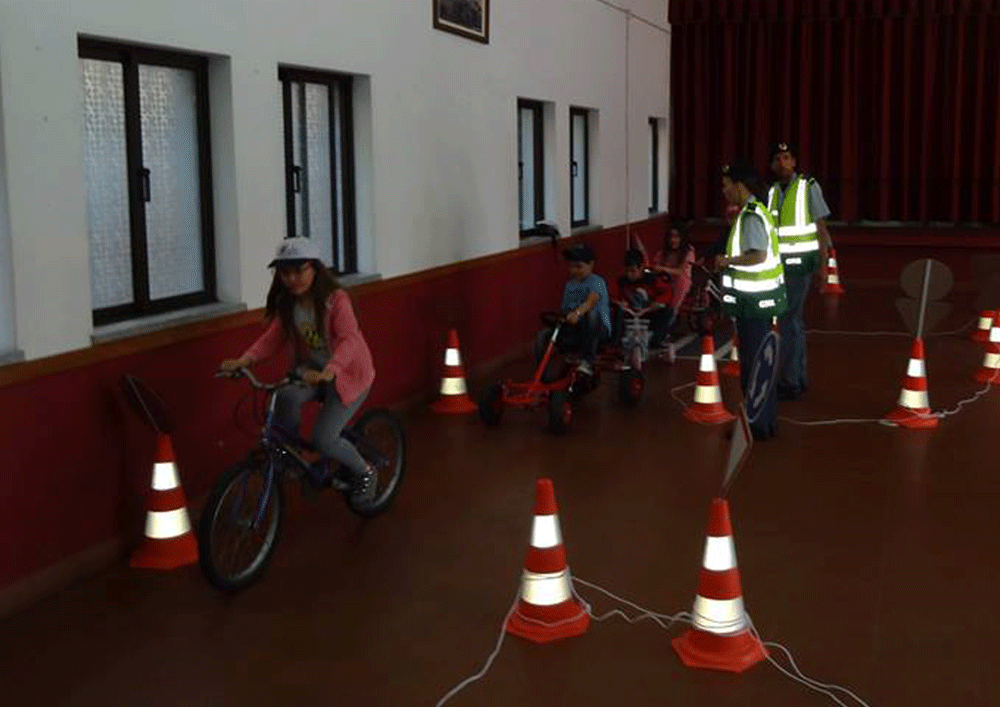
(282, 449)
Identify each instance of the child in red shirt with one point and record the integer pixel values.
(643, 292)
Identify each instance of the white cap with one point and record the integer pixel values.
(296, 249)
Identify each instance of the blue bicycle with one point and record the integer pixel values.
(241, 523)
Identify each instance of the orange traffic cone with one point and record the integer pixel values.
(169, 541)
(982, 332)
(707, 408)
(989, 372)
(832, 285)
(547, 610)
(995, 330)
(720, 637)
(732, 366)
(454, 395)
(913, 409)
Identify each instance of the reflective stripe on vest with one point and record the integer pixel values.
(796, 228)
(755, 279)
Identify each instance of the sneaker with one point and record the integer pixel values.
(364, 487)
(585, 368)
(669, 354)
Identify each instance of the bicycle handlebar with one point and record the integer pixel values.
(254, 381)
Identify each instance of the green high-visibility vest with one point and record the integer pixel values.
(797, 233)
(754, 290)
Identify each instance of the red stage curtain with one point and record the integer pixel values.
(894, 105)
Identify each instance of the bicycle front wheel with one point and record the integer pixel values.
(241, 523)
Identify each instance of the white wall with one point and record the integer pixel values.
(437, 126)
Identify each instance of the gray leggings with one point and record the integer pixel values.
(333, 417)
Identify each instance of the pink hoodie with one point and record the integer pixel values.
(350, 359)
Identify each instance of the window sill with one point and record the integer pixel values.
(583, 230)
(146, 325)
(349, 281)
(13, 356)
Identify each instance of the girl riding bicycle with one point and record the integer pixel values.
(306, 306)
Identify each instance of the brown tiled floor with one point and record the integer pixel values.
(872, 552)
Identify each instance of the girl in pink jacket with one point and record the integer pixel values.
(307, 307)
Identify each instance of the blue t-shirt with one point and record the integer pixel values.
(576, 293)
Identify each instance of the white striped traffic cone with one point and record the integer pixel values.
(989, 372)
(913, 409)
(732, 366)
(982, 332)
(547, 610)
(169, 542)
(832, 285)
(720, 636)
(707, 408)
(454, 398)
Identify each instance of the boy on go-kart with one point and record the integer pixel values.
(586, 308)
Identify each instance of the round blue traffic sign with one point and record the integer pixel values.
(762, 375)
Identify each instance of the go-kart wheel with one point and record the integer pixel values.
(631, 385)
(491, 405)
(560, 412)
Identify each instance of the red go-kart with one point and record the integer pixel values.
(558, 384)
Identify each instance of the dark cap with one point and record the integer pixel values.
(633, 258)
(779, 147)
(740, 170)
(579, 253)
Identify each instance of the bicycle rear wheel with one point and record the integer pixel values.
(240, 526)
(381, 442)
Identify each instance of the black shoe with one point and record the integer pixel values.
(760, 435)
(365, 484)
(787, 393)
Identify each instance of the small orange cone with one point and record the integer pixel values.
(732, 366)
(707, 408)
(982, 332)
(454, 398)
(547, 610)
(913, 409)
(169, 542)
(832, 285)
(720, 637)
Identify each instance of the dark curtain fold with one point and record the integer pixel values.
(894, 105)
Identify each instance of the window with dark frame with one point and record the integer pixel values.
(530, 166)
(147, 162)
(654, 166)
(319, 162)
(579, 166)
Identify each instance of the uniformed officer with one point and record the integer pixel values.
(796, 201)
(753, 278)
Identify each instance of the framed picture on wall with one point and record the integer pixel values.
(467, 18)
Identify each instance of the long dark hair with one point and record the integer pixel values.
(682, 249)
(281, 302)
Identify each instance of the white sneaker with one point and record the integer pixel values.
(585, 368)
(669, 353)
